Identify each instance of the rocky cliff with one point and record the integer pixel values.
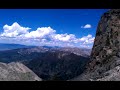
(105, 56)
(16, 72)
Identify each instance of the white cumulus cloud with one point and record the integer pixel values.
(87, 39)
(14, 30)
(64, 37)
(42, 36)
(40, 32)
(86, 26)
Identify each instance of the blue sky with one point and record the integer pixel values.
(59, 27)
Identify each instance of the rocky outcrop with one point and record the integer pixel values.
(16, 72)
(105, 55)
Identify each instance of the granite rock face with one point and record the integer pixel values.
(17, 72)
(105, 56)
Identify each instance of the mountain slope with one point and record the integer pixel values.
(57, 65)
(16, 72)
(105, 56)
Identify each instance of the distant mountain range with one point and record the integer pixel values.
(4, 46)
(49, 63)
(31, 52)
